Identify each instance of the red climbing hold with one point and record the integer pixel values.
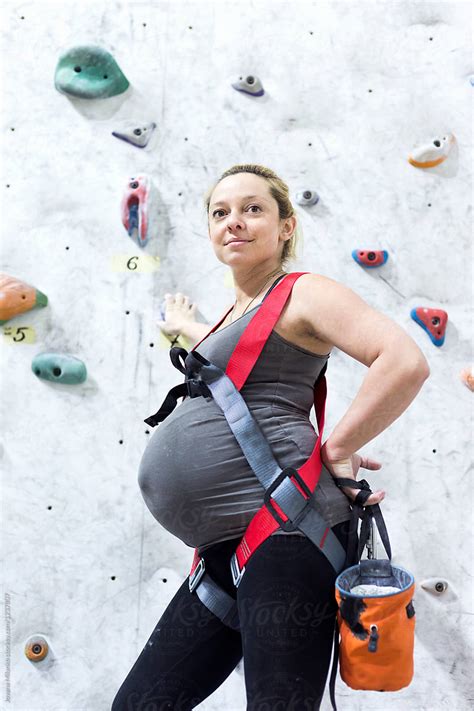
(370, 258)
(433, 321)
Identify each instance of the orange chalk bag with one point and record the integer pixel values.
(375, 624)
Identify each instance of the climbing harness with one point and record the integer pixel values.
(289, 492)
(288, 499)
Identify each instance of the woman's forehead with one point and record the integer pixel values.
(226, 193)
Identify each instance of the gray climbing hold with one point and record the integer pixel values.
(138, 134)
(307, 197)
(436, 586)
(249, 85)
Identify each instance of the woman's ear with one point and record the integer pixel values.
(290, 226)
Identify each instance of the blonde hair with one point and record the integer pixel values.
(279, 191)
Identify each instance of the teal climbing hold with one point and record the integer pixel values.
(57, 368)
(89, 72)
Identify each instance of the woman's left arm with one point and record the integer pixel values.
(397, 366)
(386, 391)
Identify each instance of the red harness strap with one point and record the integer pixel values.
(239, 367)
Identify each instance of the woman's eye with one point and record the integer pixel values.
(215, 211)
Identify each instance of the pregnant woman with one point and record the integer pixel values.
(198, 484)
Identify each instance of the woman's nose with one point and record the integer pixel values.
(235, 222)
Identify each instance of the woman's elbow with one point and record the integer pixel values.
(416, 360)
(420, 368)
(413, 360)
(426, 370)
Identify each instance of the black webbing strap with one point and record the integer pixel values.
(354, 550)
(366, 513)
(192, 387)
(332, 681)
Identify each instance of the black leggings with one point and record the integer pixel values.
(287, 611)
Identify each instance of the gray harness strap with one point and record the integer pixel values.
(218, 602)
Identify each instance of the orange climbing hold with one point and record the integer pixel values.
(16, 297)
(432, 154)
(36, 648)
(467, 376)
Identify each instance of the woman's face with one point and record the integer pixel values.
(241, 207)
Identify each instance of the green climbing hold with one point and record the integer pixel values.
(89, 72)
(59, 368)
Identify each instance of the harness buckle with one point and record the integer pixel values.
(287, 525)
(196, 575)
(237, 573)
(197, 387)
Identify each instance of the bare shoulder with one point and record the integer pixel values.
(310, 281)
(310, 295)
(323, 287)
(325, 306)
(294, 324)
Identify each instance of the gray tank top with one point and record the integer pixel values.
(193, 475)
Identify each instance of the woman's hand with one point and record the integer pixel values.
(348, 467)
(178, 312)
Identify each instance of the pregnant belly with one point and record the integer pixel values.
(195, 479)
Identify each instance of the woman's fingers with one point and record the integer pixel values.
(368, 463)
(349, 468)
(375, 498)
(178, 299)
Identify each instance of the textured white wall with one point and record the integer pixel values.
(351, 89)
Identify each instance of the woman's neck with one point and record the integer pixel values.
(250, 286)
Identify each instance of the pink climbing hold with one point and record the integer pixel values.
(134, 209)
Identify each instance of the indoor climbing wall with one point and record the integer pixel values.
(116, 119)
